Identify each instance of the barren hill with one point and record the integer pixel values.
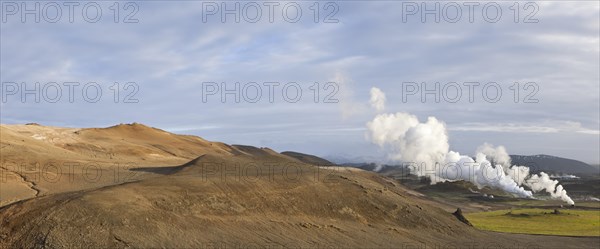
(310, 159)
(199, 194)
(36, 159)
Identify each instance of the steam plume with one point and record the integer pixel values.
(543, 182)
(424, 146)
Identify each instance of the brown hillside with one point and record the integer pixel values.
(186, 192)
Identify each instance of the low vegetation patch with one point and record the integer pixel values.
(539, 221)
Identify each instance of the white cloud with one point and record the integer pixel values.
(545, 127)
(377, 100)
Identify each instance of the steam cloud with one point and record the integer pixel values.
(424, 148)
(377, 99)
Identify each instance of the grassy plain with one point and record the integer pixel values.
(539, 221)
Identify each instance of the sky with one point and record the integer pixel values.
(174, 65)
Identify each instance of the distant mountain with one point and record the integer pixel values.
(363, 166)
(310, 159)
(553, 164)
(537, 163)
(348, 159)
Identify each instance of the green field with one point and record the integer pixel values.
(539, 221)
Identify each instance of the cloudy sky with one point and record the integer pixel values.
(170, 50)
